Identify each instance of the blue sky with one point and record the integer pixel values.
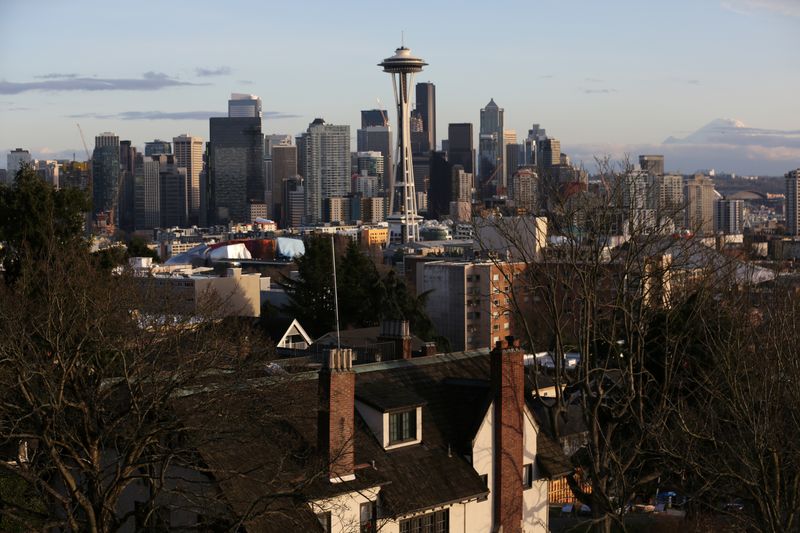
(604, 77)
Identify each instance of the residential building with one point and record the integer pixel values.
(665, 197)
(189, 155)
(324, 157)
(244, 106)
(728, 217)
(235, 166)
(524, 190)
(699, 195)
(469, 301)
(372, 437)
(371, 163)
(652, 164)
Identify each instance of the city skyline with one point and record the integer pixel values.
(582, 80)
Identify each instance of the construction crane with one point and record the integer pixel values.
(383, 112)
(83, 140)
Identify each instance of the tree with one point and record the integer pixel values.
(33, 214)
(738, 433)
(365, 298)
(607, 286)
(89, 373)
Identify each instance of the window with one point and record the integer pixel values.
(325, 521)
(402, 426)
(527, 476)
(436, 522)
(368, 518)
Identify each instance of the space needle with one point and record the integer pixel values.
(403, 219)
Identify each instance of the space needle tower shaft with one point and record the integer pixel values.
(403, 219)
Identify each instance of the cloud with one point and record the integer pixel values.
(599, 91)
(724, 144)
(245, 82)
(206, 72)
(546, 77)
(150, 81)
(789, 8)
(594, 80)
(693, 82)
(172, 115)
(54, 76)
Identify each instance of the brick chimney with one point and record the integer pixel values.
(335, 432)
(508, 389)
(399, 333)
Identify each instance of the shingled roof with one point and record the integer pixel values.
(275, 430)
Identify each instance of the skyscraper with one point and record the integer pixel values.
(244, 106)
(426, 108)
(491, 147)
(728, 217)
(373, 117)
(157, 147)
(403, 218)
(460, 147)
(14, 161)
(127, 198)
(792, 202)
(147, 193)
(378, 139)
(172, 189)
(236, 171)
(324, 155)
(293, 211)
(105, 174)
(665, 197)
(284, 165)
(652, 164)
(189, 155)
(699, 194)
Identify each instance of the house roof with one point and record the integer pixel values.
(271, 446)
(361, 337)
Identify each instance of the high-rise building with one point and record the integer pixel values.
(14, 161)
(652, 164)
(324, 157)
(235, 167)
(524, 189)
(172, 192)
(792, 202)
(373, 117)
(157, 147)
(403, 219)
(147, 193)
(284, 165)
(699, 195)
(189, 155)
(127, 194)
(665, 197)
(426, 108)
(370, 164)
(728, 217)
(491, 147)
(460, 146)
(105, 173)
(440, 190)
(293, 212)
(244, 106)
(513, 151)
(48, 170)
(378, 139)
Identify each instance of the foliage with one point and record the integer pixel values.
(34, 215)
(365, 298)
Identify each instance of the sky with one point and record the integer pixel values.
(612, 77)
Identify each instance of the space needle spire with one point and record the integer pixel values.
(403, 219)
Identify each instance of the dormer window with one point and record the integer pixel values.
(402, 426)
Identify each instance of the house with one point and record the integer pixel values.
(447, 442)
(288, 333)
